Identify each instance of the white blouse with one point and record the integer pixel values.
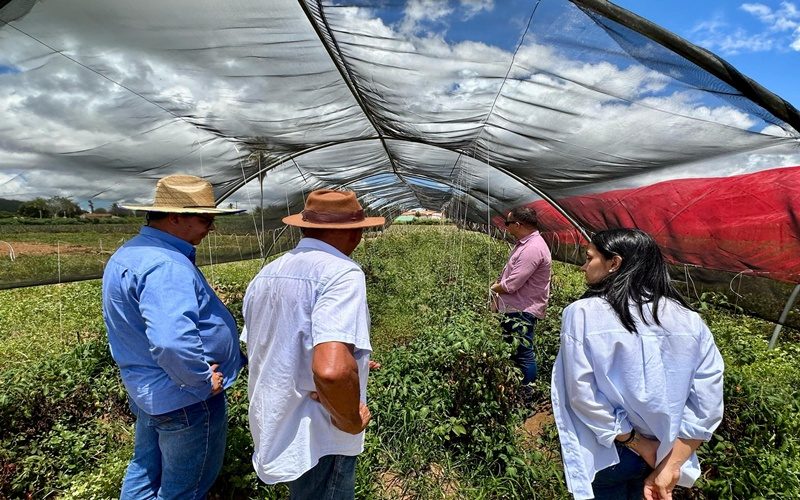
(664, 381)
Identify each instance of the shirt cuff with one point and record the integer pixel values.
(690, 430)
(621, 426)
(504, 284)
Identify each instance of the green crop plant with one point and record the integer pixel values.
(448, 422)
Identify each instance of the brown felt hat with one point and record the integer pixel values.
(328, 209)
(184, 194)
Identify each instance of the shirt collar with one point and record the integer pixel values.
(182, 246)
(316, 244)
(524, 240)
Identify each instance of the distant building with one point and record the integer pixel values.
(96, 216)
(422, 214)
(419, 215)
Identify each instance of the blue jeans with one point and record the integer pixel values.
(520, 326)
(624, 480)
(333, 478)
(177, 454)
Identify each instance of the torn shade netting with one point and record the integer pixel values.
(467, 107)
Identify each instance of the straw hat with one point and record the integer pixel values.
(328, 209)
(183, 194)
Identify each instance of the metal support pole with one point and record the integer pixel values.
(785, 314)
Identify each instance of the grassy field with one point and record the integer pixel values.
(44, 254)
(447, 420)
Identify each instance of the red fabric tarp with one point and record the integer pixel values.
(746, 223)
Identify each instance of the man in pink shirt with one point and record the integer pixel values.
(524, 288)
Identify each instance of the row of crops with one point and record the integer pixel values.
(447, 422)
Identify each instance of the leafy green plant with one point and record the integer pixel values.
(447, 416)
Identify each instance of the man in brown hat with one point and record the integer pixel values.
(175, 343)
(307, 334)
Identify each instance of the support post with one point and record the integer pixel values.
(785, 314)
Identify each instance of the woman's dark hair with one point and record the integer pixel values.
(642, 276)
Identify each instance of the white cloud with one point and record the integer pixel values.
(757, 9)
(560, 119)
(779, 30)
(717, 35)
(419, 11)
(728, 165)
(474, 7)
(785, 18)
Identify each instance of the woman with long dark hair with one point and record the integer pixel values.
(637, 384)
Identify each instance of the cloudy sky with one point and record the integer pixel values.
(138, 90)
(760, 38)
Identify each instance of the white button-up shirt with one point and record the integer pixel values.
(664, 381)
(310, 295)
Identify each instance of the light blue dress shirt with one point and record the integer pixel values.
(165, 323)
(664, 381)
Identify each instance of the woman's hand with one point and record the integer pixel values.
(646, 448)
(660, 483)
(642, 446)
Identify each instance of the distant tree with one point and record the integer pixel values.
(91, 207)
(7, 205)
(100, 210)
(38, 207)
(119, 211)
(63, 207)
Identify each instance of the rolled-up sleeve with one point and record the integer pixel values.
(170, 309)
(703, 411)
(589, 405)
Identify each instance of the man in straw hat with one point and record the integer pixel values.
(175, 343)
(307, 334)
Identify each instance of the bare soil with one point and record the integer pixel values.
(27, 248)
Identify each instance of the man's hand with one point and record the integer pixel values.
(217, 380)
(349, 428)
(374, 365)
(363, 412)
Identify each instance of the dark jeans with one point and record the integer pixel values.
(333, 478)
(520, 326)
(623, 481)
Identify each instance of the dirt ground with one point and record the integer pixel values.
(27, 248)
(533, 425)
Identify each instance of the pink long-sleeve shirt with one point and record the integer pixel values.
(526, 277)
